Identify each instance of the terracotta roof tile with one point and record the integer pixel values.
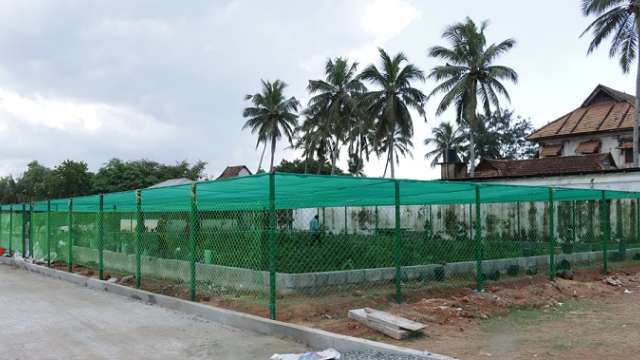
(605, 109)
(545, 166)
(233, 171)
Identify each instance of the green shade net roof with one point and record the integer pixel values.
(312, 191)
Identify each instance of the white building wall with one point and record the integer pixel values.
(609, 144)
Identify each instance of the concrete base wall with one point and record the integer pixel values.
(241, 279)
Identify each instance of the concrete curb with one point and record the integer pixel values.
(314, 338)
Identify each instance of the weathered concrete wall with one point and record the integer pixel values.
(251, 280)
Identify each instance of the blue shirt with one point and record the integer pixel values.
(314, 225)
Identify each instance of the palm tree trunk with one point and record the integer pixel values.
(637, 121)
(470, 116)
(391, 159)
(334, 156)
(273, 152)
(306, 163)
(472, 152)
(264, 148)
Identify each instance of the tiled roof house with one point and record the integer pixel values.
(595, 137)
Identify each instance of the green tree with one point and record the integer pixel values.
(389, 104)
(272, 115)
(8, 191)
(333, 105)
(32, 185)
(117, 175)
(469, 74)
(68, 179)
(299, 166)
(620, 21)
(502, 135)
(444, 138)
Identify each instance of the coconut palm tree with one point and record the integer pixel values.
(619, 20)
(389, 104)
(445, 138)
(469, 75)
(402, 147)
(271, 115)
(333, 101)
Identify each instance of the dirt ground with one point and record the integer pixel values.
(589, 317)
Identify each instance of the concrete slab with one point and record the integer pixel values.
(45, 319)
(353, 348)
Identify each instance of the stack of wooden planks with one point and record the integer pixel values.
(394, 326)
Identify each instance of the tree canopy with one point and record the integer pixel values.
(73, 178)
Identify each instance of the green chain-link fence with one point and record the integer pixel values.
(272, 244)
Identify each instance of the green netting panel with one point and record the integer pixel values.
(15, 232)
(85, 240)
(39, 235)
(4, 229)
(59, 238)
(232, 258)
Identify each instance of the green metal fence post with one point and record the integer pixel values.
(70, 239)
(637, 221)
(24, 230)
(193, 232)
(31, 238)
(138, 243)
(478, 241)
(397, 243)
(272, 245)
(11, 230)
(1, 229)
(101, 237)
(606, 231)
(518, 220)
(48, 233)
(574, 229)
(552, 237)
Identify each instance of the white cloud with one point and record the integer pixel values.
(383, 20)
(77, 117)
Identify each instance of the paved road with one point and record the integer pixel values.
(43, 318)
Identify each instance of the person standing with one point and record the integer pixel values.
(314, 229)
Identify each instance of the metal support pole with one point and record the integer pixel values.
(606, 231)
(637, 221)
(1, 225)
(24, 230)
(478, 241)
(273, 245)
(138, 244)
(193, 233)
(70, 238)
(574, 228)
(552, 237)
(11, 230)
(48, 233)
(397, 243)
(31, 237)
(101, 237)
(518, 220)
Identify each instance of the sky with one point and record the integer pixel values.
(166, 80)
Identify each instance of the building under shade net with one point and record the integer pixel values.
(247, 242)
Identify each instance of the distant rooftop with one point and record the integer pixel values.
(233, 171)
(172, 182)
(606, 109)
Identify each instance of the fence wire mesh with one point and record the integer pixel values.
(279, 245)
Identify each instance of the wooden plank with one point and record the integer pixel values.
(393, 321)
(360, 315)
